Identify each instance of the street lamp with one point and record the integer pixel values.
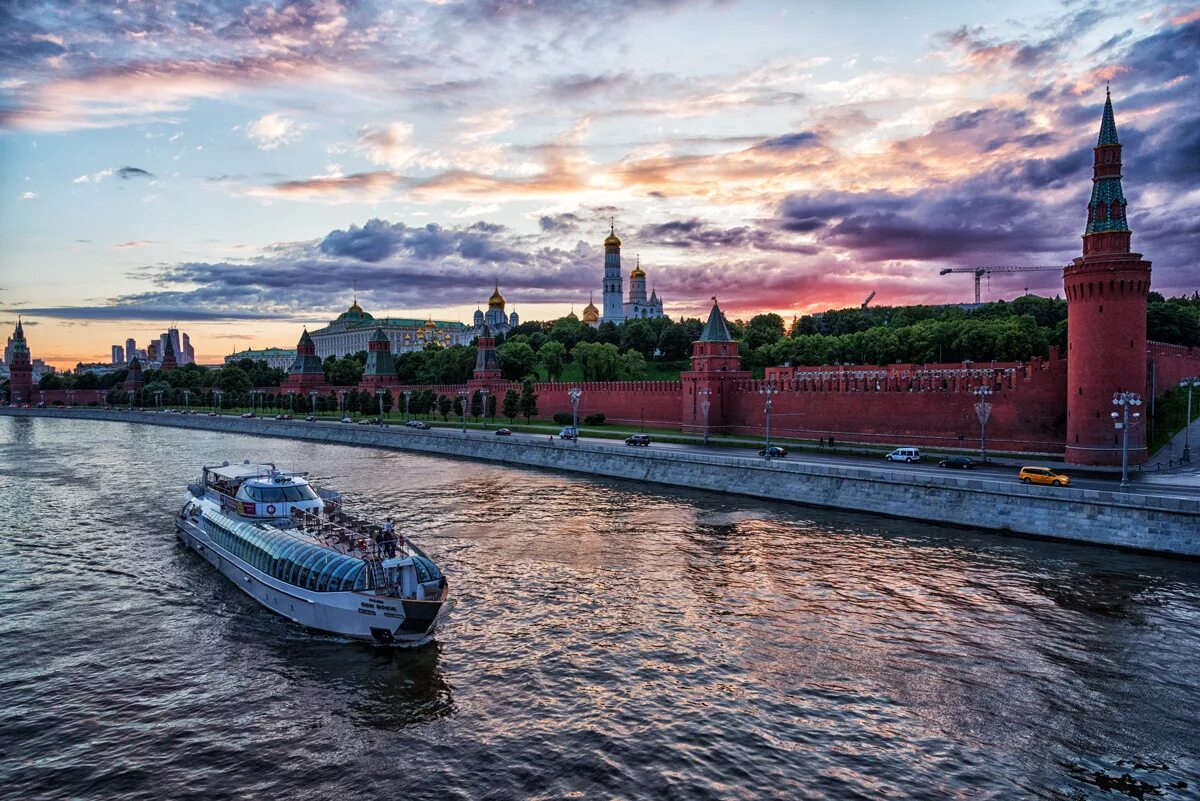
(218, 394)
(379, 393)
(768, 390)
(187, 399)
(575, 393)
(483, 393)
(983, 410)
(463, 400)
(407, 393)
(291, 401)
(1125, 400)
(705, 404)
(1190, 383)
(342, 401)
(312, 396)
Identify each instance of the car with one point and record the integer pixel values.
(213, 414)
(347, 420)
(364, 422)
(312, 418)
(775, 451)
(908, 455)
(247, 414)
(959, 462)
(638, 439)
(283, 417)
(421, 424)
(1043, 475)
(503, 432)
(570, 432)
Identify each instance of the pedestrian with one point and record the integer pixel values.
(389, 534)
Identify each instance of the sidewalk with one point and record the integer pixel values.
(1171, 454)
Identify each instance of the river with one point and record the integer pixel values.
(611, 641)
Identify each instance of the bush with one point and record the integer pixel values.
(563, 418)
(594, 420)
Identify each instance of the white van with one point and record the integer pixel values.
(905, 455)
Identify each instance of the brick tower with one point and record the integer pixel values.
(306, 371)
(381, 366)
(20, 369)
(1106, 316)
(134, 380)
(168, 358)
(487, 368)
(716, 365)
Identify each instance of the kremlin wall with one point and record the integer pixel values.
(1062, 404)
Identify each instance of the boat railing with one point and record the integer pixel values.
(328, 494)
(353, 536)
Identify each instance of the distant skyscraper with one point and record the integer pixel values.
(152, 350)
(176, 345)
(118, 355)
(187, 354)
(130, 348)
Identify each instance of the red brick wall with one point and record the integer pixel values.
(1168, 365)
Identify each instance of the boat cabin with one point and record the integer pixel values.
(262, 491)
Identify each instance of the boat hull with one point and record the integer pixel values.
(358, 615)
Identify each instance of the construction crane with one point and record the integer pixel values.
(867, 302)
(980, 272)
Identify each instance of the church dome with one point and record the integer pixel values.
(430, 323)
(355, 313)
(638, 272)
(496, 301)
(590, 313)
(611, 241)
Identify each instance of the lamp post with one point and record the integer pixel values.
(705, 404)
(407, 394)
(291, 401)
(312, 397)
(575, 393)
(1125, 400)
(187, 399)
(768, 390)
(1190, 383)
(342, 401)
(983, 411)
(463, 400)
(218, 394)
(379, 393)
(483, 393)
(158, 399)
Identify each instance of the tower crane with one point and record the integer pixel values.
(867, 302)
(980, 272)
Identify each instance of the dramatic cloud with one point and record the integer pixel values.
(273, 130)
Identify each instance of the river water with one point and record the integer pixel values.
(611, 641)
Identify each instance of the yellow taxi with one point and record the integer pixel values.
(1043, 475)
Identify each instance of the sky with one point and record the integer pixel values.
(240, 169)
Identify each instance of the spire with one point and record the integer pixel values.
(1108, 124)
(715, 329)
(1107, 207)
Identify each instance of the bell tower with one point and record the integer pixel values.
(1106, 316)
(614, 303)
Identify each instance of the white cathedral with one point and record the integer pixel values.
(616, 308)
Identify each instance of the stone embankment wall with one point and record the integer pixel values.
(1152, 523)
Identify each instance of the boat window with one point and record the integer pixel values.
(299, 493)
(426, 570)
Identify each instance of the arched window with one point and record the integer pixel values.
(1101, 211)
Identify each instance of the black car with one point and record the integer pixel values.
(959, 462)
(503, 432)
(638, 439)
(775, 451)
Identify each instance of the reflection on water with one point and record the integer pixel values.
(610, 640)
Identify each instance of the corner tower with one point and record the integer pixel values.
(20, 386)
(614, 304)
(1106, 316)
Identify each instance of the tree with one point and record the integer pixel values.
(477, 407)
(631, 366)
(675, 342)
(639, 335)
(50, 381)
(491, 405)
(599, 362)
(444, 406)
(568, 331)
(552, 355)
(344, 372)
(512, 404)
(516, 359)
(764, 329)
(528, 403)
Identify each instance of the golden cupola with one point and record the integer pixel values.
(496, 301)
(638, 272)
(611, 242)
(590, 313)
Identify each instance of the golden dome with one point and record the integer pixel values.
(496, 301)
(354, 307)
(611, 241)
(430, 323)
(590, 314)
(638, 272)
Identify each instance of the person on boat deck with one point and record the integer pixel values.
(389, 538)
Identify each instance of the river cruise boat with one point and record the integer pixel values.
(291, 547)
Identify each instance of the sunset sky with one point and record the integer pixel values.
(237, 167)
